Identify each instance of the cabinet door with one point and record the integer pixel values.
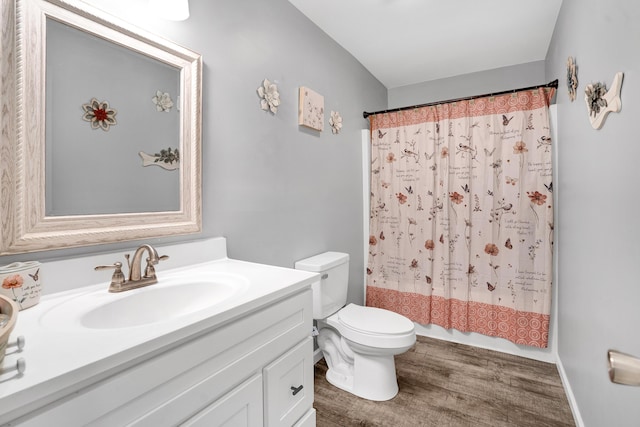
(308, 420)
(288, 386)
(241, 407)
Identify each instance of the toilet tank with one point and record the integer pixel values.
(330, 291)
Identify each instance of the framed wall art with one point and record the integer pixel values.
(311, 109)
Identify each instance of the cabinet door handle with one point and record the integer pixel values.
(296, 390)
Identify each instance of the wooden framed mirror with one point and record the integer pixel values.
(72, 174)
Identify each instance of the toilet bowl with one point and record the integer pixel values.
(358, 343)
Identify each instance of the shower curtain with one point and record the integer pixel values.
(461, 220)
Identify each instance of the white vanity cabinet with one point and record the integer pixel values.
(253, 370)
(269, 398)
(240, 407)
(288, 386)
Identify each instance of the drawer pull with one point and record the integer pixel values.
(296, 390)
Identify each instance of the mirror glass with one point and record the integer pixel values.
(97, 168)
(101, 142)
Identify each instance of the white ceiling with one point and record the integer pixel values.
(403, 42)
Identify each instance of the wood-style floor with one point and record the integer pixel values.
(447, 384)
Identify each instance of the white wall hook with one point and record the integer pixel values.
(612, 97)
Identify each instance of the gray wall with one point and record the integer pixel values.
(598, 230)
(277, 191)
(499, 79)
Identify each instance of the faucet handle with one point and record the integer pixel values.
(150, 270)
(117, 279)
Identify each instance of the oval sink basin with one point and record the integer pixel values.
(156, 305)
(149, 305)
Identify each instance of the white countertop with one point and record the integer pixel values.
(59, 357)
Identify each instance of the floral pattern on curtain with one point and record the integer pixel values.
(461, 217)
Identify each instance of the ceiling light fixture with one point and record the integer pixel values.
(173, 10)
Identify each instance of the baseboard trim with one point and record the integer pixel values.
(474, 339)
(573, 404)
(317, 355)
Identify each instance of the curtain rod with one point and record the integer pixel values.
(553, 84)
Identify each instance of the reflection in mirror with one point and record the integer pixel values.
(94, 169)
(98, 115)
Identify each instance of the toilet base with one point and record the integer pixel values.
(377, 380)
(369, 376)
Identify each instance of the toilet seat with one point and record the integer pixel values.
(374, 320)
(373, 327)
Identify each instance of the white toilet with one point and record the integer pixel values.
(358, 343)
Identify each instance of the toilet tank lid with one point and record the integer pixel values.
(322, 262)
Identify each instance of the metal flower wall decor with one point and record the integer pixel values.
(168, 159)
(269, 96)
(572, 78)
(99, 115)
(335, 121)
(600, 101)
(594, 94)
(163, 101)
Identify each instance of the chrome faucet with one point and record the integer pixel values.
(136, 280)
